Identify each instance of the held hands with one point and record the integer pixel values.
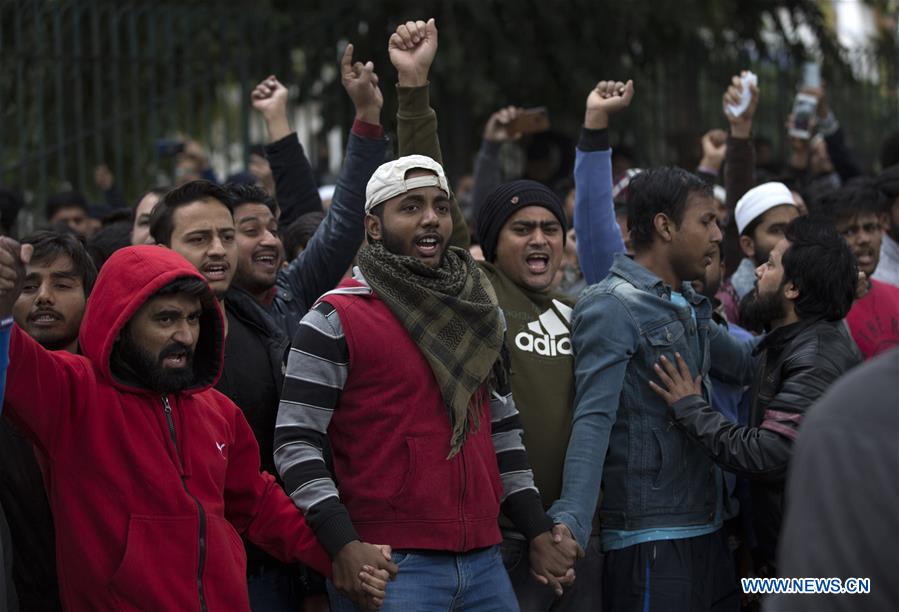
(361, 84)
(552, 556)
(361, 572)
(740, 127)
(607, 98)
(13, 258)
(677, 380)
(412, 49)
(270, 99)
(498, 128)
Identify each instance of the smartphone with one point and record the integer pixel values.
(167, 147)
(804, 109)
(530, 121)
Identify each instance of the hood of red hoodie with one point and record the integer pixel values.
(127, 280)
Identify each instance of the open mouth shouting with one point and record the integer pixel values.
(176, 357)
(216, 271)
(538, 263)
(267, 260)
(428, 245)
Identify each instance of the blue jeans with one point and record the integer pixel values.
(430, 581)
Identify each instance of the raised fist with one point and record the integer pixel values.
(714, 148)
(607, 98)
(13, 258)
(498, 129)
(270, 97)
(412, 49)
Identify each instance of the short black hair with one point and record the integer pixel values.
(889, 151)
(244, 193)
(157, 191)
(48, 245)
(64, 199)
(859, 196)
(162, 218)
(821, 266)
(11, 203)
(107, 240)
(659, 190)
(300, 232)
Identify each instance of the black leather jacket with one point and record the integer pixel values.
(795, 365)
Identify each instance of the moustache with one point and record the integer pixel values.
(176, 348)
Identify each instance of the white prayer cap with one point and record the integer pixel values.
(760, 200)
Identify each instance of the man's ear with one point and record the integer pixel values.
(373, 226)
(747, 245)
(884, 220)
(791, 292)
(664, 227)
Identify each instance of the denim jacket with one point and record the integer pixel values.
(622, 431)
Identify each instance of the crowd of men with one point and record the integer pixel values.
(622, 393)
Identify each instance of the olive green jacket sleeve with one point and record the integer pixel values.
(416, 129)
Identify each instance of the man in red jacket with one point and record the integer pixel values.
(152, 475)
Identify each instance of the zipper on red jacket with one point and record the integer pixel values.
(167, 409)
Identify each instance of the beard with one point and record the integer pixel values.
(397, 246)
(149, 371)
(758, 310)
(761, 255)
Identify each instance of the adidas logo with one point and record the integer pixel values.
(550, 334)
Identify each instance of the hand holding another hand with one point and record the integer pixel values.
(361, 572)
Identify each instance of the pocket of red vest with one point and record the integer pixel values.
(159, 565)
(431, 489)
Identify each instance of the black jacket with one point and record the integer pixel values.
(255, 349)
(795, 365)
(24, 501)
(255, 353)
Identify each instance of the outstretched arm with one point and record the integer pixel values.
(333, 246)
(739, 160)
(763, 451)
(40, 384)
(295, 187)
(412, 49)
(604, 337)
(598, 235)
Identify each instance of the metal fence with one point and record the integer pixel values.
(84, 82)
(90, 82)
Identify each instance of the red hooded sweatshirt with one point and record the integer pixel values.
(150, 494)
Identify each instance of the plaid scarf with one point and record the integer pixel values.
(451, 313)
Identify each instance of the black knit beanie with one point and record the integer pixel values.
(507, 199)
